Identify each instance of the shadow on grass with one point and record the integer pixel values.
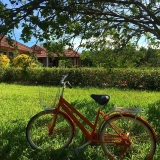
(15, 146)
(13, 140)
(154, 116)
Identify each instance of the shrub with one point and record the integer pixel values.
(11, 74)
(67, 63)
(133, 79)
(23, 61)
(4, 61)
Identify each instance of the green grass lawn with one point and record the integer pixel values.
(18, 103)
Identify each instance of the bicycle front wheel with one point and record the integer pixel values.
(37, 131)
(142, 140)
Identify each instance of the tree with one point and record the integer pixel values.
(112, 58)
(151, 57)
(102, 58)
(65, 63)
(4, 61)
(120, 20)
(86, 57)
(55, 46)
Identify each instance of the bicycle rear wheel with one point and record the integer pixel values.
(37, 131)
(141, 137)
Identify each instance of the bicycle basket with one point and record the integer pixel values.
(46, 98)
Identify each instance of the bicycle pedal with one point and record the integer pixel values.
(77, 151)
(70, 158)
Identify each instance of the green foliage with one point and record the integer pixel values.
(85, 19)
(55, 46)
(129, 56)
(62, 63)
(121, 78)
(86, 58)
(4, 61)
(11, 74)
(153, 116)
(65, 63)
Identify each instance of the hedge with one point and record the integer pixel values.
(134, 79)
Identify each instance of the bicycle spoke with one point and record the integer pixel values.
(38, 134)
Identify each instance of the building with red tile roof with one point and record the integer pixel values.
(53, 59)
(47, 59)
(16, 45)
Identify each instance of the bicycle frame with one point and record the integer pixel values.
(92, 136)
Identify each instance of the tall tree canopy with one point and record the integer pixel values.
(92, 20)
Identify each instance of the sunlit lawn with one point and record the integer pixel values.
(18, 103)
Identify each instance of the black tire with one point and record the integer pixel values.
(143, 142)
(37, 133)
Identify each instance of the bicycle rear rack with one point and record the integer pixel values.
(129, 110)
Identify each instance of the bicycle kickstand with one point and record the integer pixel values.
(78, 149)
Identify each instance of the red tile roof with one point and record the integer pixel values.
(71, 53)
(21, 47)
(41, 52)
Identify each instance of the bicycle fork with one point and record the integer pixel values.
(50, 131)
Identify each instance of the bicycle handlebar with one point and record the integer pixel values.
(63, 78)
(65, 82)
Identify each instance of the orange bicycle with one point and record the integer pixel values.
(122, 134)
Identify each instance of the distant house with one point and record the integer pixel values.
(51, 59)
(8, 50)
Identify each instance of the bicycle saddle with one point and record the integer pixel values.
(101, 99)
